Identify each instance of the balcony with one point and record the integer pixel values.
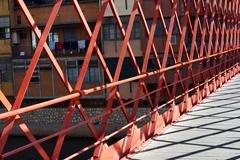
(59, 49)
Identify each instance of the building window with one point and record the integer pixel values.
(4, 28)
(136, 33)
(119, 35)
(72, 71)
(4, 33)
(111, 30)
(159, 31)
(93, 75)
(74, 68)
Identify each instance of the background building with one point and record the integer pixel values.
(5, 49)
(67, 40)
(112, 41)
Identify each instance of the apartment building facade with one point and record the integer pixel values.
(112, 41)
(67, 40)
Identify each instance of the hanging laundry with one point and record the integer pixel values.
(74, 45)
(52, 45)
(67, 45)
(58, 46)
(82, 44)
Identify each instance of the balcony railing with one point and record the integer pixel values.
(59, 49)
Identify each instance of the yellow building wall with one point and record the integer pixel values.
(7, 88)
(66, 15)
(4, 8)
(5, 49)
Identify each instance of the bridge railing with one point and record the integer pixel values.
(198, 67)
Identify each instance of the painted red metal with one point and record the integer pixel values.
(219, 33)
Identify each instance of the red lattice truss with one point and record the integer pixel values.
(221, 20)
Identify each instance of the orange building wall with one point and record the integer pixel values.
(66, 15)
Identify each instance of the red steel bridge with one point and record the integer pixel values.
(208, 64)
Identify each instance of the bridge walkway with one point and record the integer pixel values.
(210, 131)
